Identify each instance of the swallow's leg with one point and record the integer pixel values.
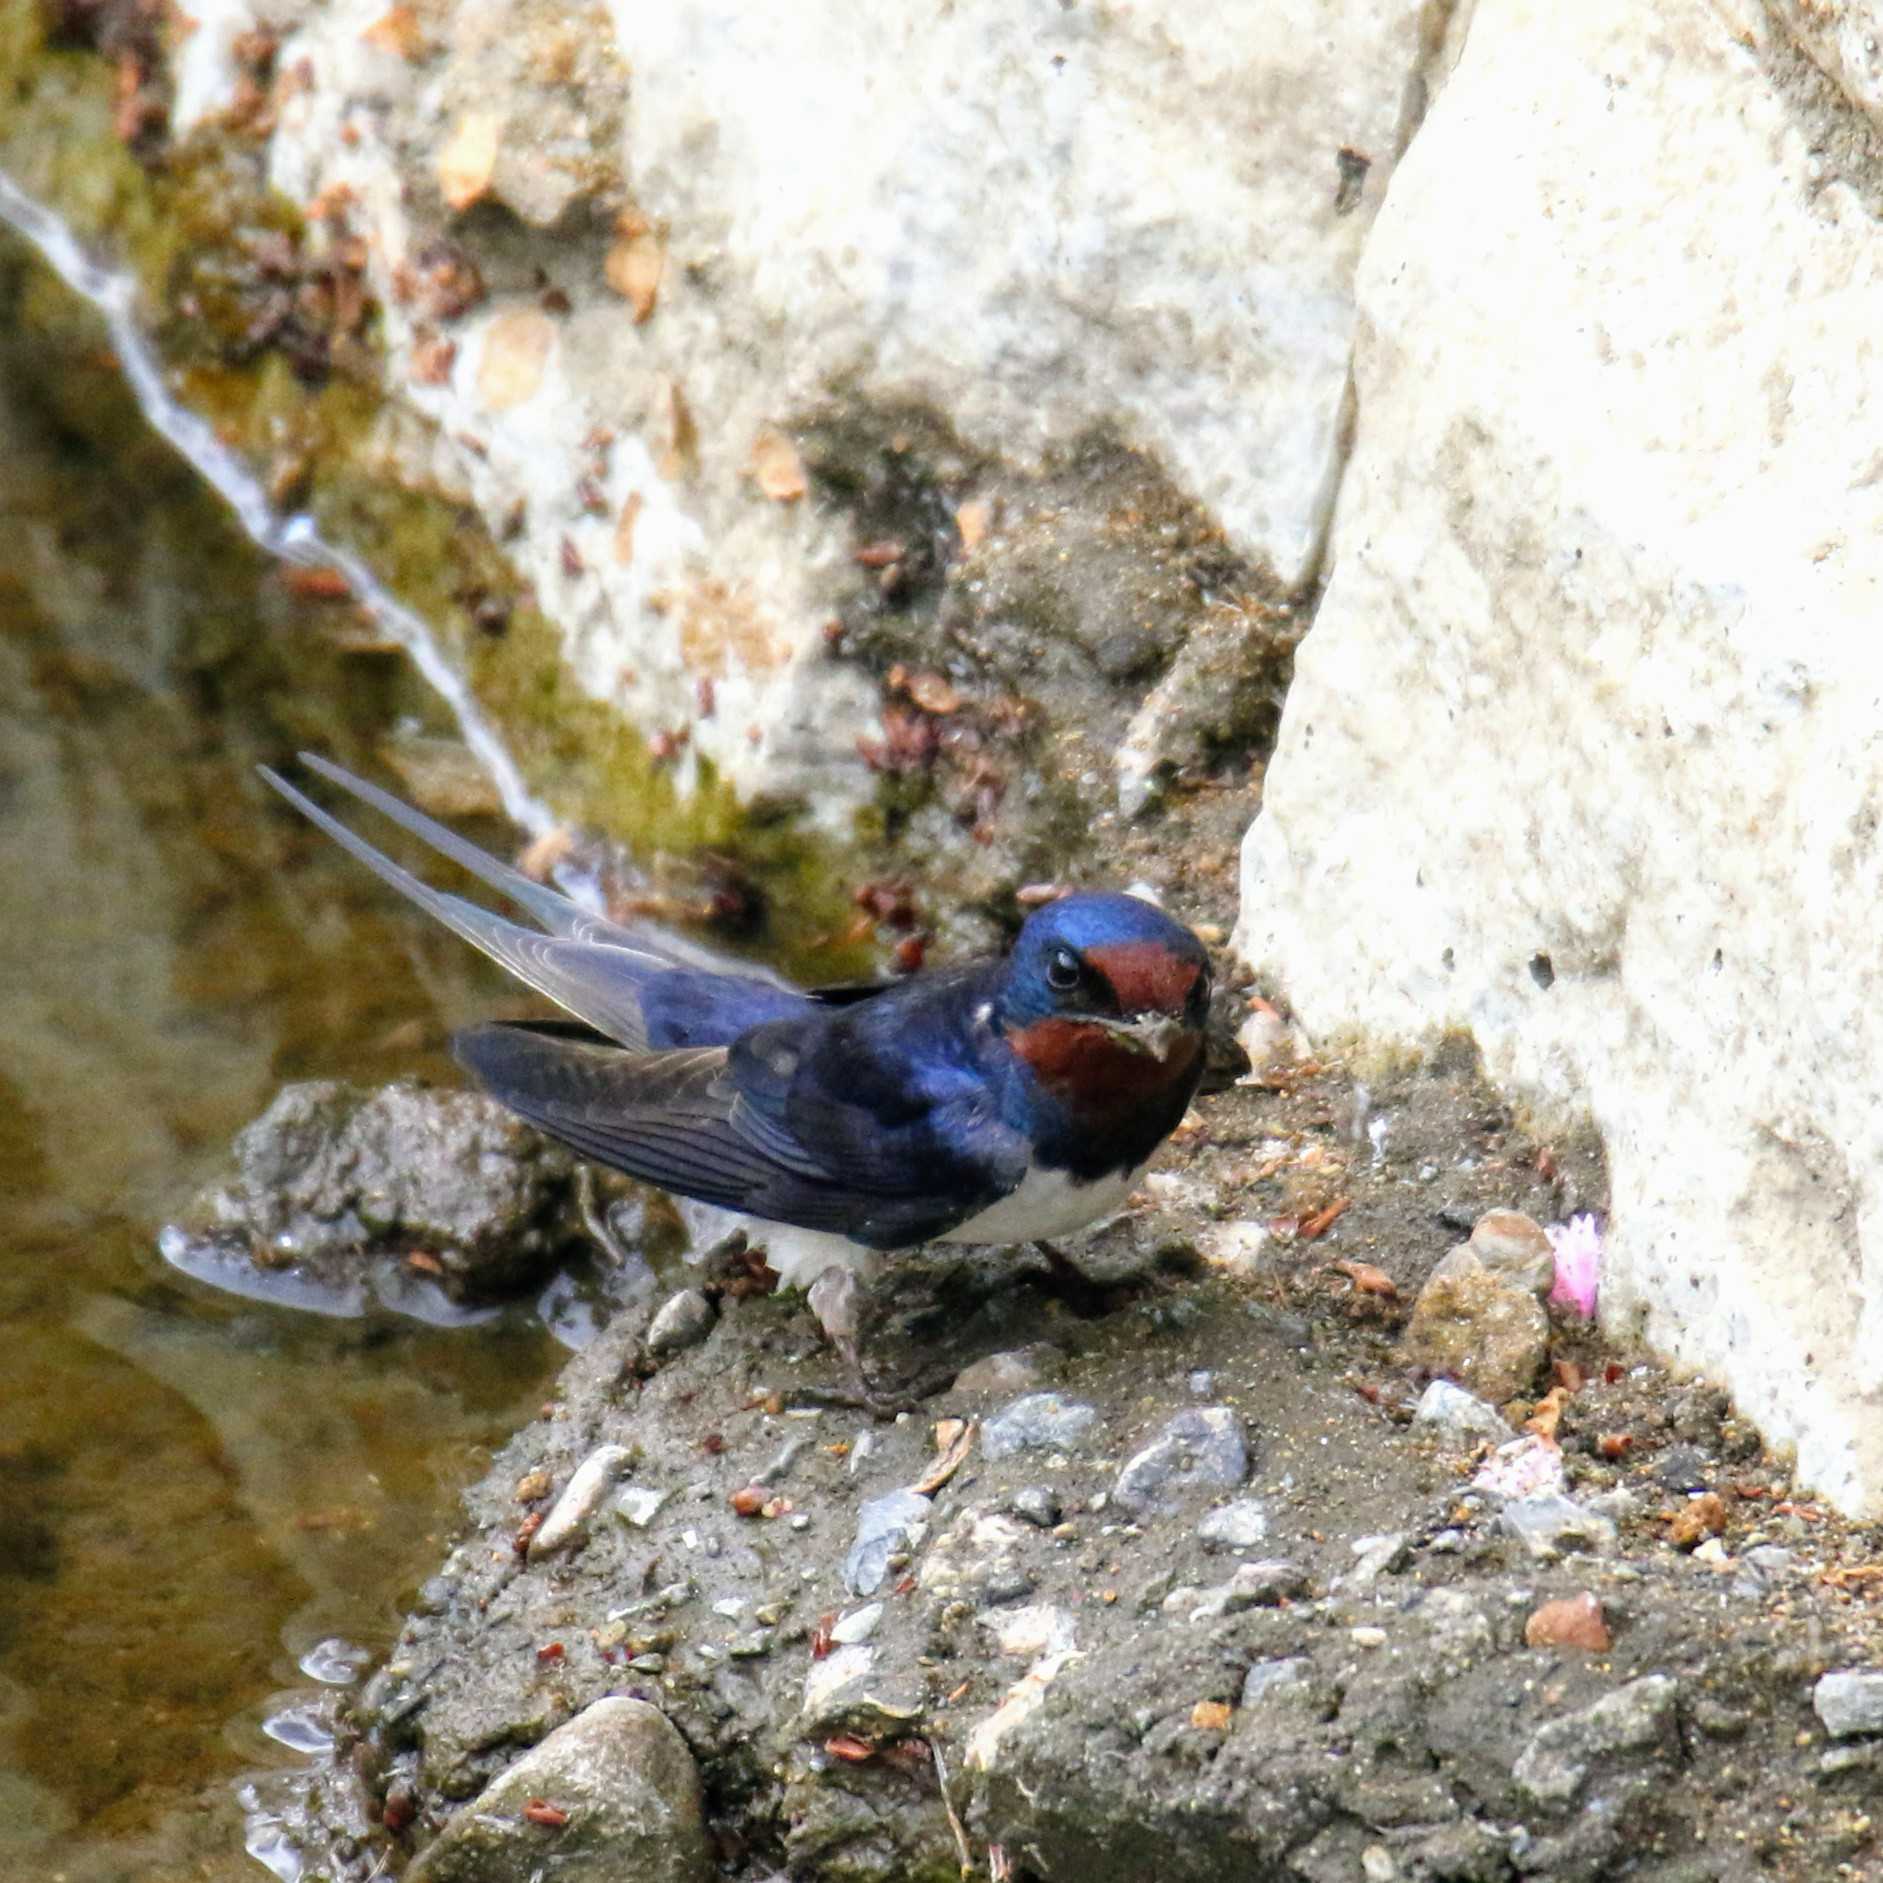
(840, 1302)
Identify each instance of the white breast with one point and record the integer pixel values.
(1047, 1203)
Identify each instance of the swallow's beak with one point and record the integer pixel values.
(1156, 1034)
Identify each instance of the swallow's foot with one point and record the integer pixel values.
(1065, 1281)
(840, 1302)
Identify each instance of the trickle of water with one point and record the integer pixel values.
(292, 538)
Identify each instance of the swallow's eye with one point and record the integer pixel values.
(1062, 970)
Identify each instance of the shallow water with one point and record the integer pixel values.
(195, 1492)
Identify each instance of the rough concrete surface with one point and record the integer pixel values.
(1582, 751)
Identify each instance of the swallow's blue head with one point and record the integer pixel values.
(1105, 999)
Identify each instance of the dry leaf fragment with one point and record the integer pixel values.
(1548, 1413)
(633, 269)
(399, 32)
(974, 519)
(776, 467)
(624, 527)
(467, 158)
(954, 1448)
(1210, 1716)
(541, 1811)
(673, 418)
(1321, 1221)
(848, 1747)
(1366, 1279)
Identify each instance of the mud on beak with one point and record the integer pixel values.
(1157, 1035)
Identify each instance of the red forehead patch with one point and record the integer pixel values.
(1147, 977)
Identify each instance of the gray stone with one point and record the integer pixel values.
(1553, 1526)
(1018, 1370)
(1263, 1584)
(640, 1504)
(684, 1320)
(1035, 1504)
(1037, 1422)
(1683, 1468)
(1634, 1718)
(1237, 1526)
(849, 1630)
(1477, 1325)
(629, 1786)
(886, 1526)
(1288, 1679)
(1198, 1451)
(1376, 1556)
(1850, 1701)
(329, 1170)
(1459, 1417)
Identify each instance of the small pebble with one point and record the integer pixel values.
(1850, 1701)
(569, 1516)
(1553, 1526)
(684, 1320)
(1237, 1526)
(857, 1626)
(1367, 1637)
(1572, 1621)
(1198, 1451)
(1036, 1505)
(639, 1504)
(1459, 1417)
(1037, 1422)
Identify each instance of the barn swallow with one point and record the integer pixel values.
(1001, 1101)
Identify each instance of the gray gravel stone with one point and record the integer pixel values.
(684, 1320)
(1237, 1526)
(1198, 1451)
(630, 1789)
(1683, 1468)
(330, 1170)
(1261, 1584)
(1459, 1417)
(1287, 1679)
(1552, 1768)
(885, 1525)
(1374, 1557)
(1037, 1422)
(1019, 1370)
(1553, 1526)
(1850, 1701)
(1035, 1504)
